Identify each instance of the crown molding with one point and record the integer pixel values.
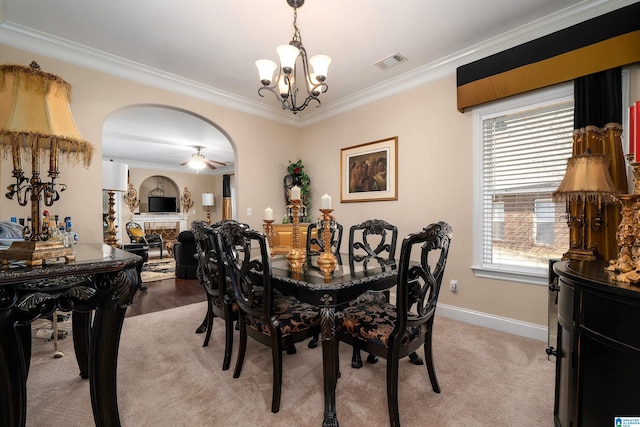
(51, 46)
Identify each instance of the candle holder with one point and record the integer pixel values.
(268, 231)
(296, 253)
(635, 169)
(326, 260)
(627, 235)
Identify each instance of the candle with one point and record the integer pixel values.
(632, 129)
(268, 214)
(295, 193)
(326, 201)
(636, 132)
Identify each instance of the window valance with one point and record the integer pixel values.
(598, 44)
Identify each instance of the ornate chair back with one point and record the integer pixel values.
(373, 238)
(252, 291)
(419, 283)
(315, 244)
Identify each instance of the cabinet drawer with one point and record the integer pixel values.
(616, 320)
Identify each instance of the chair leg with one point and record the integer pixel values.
(210, 317)
(242, 347)
(356, 359)
(203, 326)
(416, 359)
(429, 356)
(372, 359)
(313, 343)
(276, 353)
(392, 391)
(228, 344)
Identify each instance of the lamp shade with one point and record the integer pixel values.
(208, 199)
(587, 176)
(320, 64)
(288, 55)
(114, 176)
(266, 68)
(35, 114)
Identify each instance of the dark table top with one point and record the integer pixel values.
(351, 277)
(89, 258)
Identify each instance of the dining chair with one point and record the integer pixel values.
(212, 276)
(271, 318)
(395, 331)
(373, 239)
(315, 244)
(137, 235)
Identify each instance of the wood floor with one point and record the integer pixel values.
(165, 294)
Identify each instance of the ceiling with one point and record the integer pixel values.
(207, 49)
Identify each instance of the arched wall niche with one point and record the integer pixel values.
(157, 185)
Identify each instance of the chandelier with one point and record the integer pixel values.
(287, 86)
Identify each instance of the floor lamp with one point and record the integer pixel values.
(36, 121)
(208, 201)
(587, 180)
(114, 179)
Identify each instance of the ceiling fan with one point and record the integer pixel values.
(198, 161)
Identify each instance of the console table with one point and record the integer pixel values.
(101, 279)
(283, 237)
(598, 347)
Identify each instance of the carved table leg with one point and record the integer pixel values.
(329, 365)
(81, 326)
(105, 338)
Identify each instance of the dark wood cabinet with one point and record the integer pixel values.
(598, 346)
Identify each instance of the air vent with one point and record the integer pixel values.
(391, 61)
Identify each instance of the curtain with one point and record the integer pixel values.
(597, 127)
(226, 197)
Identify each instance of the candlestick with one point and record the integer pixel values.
(632, 129)
(268, 231)
(295, 193)
(296, 253)
(635, 169)
(636, 133)
(326, 201)
(268, 214)
(624, 266)
(326, 260)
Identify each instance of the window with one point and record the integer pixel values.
(498, 221)
(521, 151)
(544, 222)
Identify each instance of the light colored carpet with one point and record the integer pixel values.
(166, 378)
(158, 269)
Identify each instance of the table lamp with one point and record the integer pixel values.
(208, 200)
(114, 179)
(587, 180)
(35, 120)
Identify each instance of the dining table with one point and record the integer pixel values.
(97, 286)
(329, 291)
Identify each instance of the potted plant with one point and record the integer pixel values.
(297, 176)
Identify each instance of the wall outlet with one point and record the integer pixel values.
(453, 285)
(249, 212)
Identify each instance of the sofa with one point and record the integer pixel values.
(184, 251)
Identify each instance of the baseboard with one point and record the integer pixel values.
(504, 324)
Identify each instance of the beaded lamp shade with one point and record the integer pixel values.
(35, 120)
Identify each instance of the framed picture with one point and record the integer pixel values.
(369, 172)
